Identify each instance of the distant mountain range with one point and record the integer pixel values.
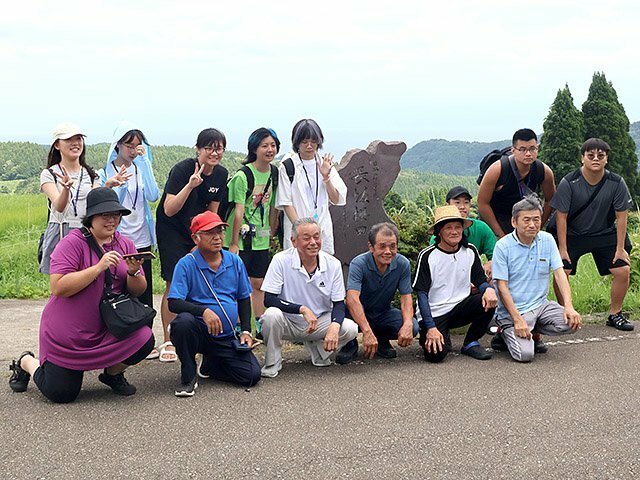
(462, 158)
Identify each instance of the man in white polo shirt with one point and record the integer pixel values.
(304, 296)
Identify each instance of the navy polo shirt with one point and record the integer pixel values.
(376, 290)
(230, 283)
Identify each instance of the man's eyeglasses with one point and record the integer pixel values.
(524, 150)
(599, 156)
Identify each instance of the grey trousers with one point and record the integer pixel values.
(278, 326)
(548, 319)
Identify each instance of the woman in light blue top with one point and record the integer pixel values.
(131, 151)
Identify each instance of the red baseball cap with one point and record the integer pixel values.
(206, 221)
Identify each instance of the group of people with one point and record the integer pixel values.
(214, 234)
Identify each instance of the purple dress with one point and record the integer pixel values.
(72, 334)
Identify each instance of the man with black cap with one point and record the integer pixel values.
(479, 234)
(444, 274)
(209, 291)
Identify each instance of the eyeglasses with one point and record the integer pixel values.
(524, 150)
(130, 146)
(111, 215)
(593, 156)
(218, 150)
(216, 232)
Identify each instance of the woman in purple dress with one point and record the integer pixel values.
(73, 337)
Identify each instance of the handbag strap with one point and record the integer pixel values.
(233, 328)
(591, 198)
(93, 245)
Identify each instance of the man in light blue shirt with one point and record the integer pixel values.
(522, 262)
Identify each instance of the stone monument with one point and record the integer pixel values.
(369, 175)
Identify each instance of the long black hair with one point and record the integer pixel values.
(55, 158)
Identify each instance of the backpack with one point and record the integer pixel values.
(224, 209)
(290, 168)
(489, 159)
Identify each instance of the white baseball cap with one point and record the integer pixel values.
(66, 130)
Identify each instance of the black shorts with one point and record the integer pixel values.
(603, 249)
(170, 253)
(256, 262)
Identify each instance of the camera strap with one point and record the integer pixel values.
(261, 205)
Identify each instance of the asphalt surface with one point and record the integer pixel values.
(571, 413)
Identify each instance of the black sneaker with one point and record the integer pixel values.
(476, 352)
(19, 378)
(187, 389)
(385, 350)
(200, 371)
(620, 321)
(348, 353)
(539, 346)
(117, 383)
(497, 343)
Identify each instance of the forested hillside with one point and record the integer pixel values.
(462, 158)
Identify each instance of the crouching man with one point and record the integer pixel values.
(304, 296)
(209, 291)
(444, 275)
(522, 262)
(374, 278)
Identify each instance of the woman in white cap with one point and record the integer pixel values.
(130, 149)
(73, 337)
(66, 181)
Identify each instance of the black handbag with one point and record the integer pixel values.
(122, 313)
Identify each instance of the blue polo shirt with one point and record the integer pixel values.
(230, 283)
(376, 290)
(526, 268)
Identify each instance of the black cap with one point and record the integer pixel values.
(104, 200)
(458, 191)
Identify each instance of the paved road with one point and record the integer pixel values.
(572, 413)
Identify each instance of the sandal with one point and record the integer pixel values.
(20, 377)
(167, 356)
(153, 354)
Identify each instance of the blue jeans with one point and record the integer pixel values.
(387, 325)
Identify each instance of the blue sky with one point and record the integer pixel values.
(403, 70)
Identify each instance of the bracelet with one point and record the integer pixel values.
(136, 274)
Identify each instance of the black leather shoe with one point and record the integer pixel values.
(19, 378)
(497, 343)
(348, 353)
(476, 352)
(385, 350)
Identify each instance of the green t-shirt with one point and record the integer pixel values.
(480, 235)
(256, 207)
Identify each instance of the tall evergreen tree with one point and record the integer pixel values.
(605, 118)
(563, 135)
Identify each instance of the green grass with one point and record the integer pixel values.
(23, 218)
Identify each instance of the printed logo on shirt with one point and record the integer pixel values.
(321, 283)
(214, 189)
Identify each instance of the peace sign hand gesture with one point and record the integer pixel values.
(65, 179)
(120, 178)
(196, 178)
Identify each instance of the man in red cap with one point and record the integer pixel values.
(209, 292)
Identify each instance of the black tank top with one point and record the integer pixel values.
(504, 199)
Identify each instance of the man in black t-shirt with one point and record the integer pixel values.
(592, 206)
(194, 185)
(510, 179)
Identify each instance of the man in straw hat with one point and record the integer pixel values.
(522, 262)
(443, 279)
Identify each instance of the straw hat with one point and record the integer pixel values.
(446, 214)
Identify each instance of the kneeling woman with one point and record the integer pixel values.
(73, 337)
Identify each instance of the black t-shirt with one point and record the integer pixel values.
(503, 200)
(212, 189)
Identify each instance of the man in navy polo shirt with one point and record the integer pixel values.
(374, 278)
(209, 291)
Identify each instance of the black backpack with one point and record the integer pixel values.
(489, 159)
(224, 209)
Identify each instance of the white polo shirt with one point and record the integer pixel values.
(287, 278)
